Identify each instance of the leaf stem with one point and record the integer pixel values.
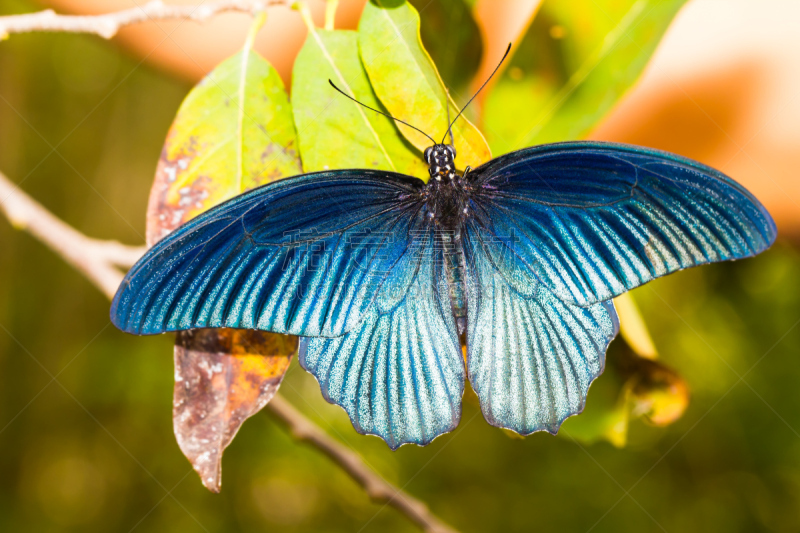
(330, 13)
(258, 22)
(305, 14)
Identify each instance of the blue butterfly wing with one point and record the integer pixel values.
(305, 256)
(400, 374)
(530, 356)
(592, 220)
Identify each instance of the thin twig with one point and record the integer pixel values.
(377, 488)
(96, 259)
(107, 25)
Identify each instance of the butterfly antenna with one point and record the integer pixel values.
(450, 127)
(381, 112)
(478, 91)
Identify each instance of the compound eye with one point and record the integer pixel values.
(451, 149)
(427, 154)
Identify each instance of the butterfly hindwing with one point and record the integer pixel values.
(305, 256)
(400, 374)
(593, 220)
(530, 356)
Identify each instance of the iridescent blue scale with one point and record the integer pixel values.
(380, 272)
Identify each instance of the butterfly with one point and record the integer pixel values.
(380, 273)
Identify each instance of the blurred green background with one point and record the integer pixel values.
(86, 438)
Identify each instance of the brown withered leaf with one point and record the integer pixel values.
(222, 377)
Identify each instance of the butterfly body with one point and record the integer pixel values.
(380, 273)
(447, 204)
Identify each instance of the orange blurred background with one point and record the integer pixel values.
(723, 88)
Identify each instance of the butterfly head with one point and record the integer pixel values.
(441, 161)
(440, 157)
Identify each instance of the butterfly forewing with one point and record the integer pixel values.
(305, 256)
(593, 220)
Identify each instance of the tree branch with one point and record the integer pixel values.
(98, 260)
(94, 258)
(107, 25)
(377, 488)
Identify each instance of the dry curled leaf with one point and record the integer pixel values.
(222, 377)
(658, 393)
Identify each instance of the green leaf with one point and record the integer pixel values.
(233, 132)
(333, 131)
(407, 82)
(576, 61)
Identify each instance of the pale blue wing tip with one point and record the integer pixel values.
(394, 442)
